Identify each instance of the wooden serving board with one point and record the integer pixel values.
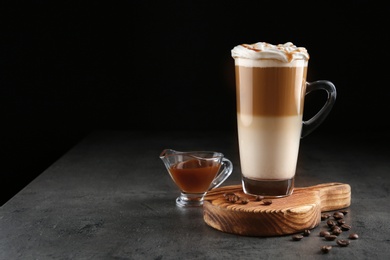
(288, 215)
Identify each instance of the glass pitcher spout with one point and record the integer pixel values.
(167, 152)
(165, 157)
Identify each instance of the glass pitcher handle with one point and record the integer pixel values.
(311, 124)
(224, 174)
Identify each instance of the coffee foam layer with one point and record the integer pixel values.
(275, 55)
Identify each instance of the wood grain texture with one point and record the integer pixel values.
(295, 213)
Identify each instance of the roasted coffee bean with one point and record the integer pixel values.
(325, 216)
(330, 223)
(338, 215)
(340, 222)
(337, 231)
(233, 198)
(306, 233)
(335, 227)
(229, 194)
(345, 227)
(326, 249)
(343, 242)
(345, 212)
(324, 233)
(330, 237)
(297, 237)
(244, 201)
(353, 236)
(267, 202)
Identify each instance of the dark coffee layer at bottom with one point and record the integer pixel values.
(268, 188)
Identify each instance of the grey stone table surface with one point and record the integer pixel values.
(110, 197)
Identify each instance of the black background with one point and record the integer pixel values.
(68, 68)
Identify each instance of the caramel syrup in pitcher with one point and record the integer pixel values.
(194, 176)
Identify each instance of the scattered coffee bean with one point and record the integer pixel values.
(345, 227)
(306, 233)
(345, 212)
(297, 237)
(324, 233)
(244, 201)
(343, 242)
(228, 194)
(325, 216)
(338, 215)
(337, 231)
(231, 197)
(267, 202)
(330, 223)
(234, 199)
(340, 222)
(335, 227)
(353, 236)
(330, 237)
(326, 249)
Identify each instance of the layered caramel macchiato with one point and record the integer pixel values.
(271, 87)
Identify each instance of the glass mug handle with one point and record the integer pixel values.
(311, 124)
(224, 174)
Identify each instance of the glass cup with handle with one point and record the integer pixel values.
(270, 89)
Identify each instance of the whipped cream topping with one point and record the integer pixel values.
(287, 52)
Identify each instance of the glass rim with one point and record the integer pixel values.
(193, 153)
